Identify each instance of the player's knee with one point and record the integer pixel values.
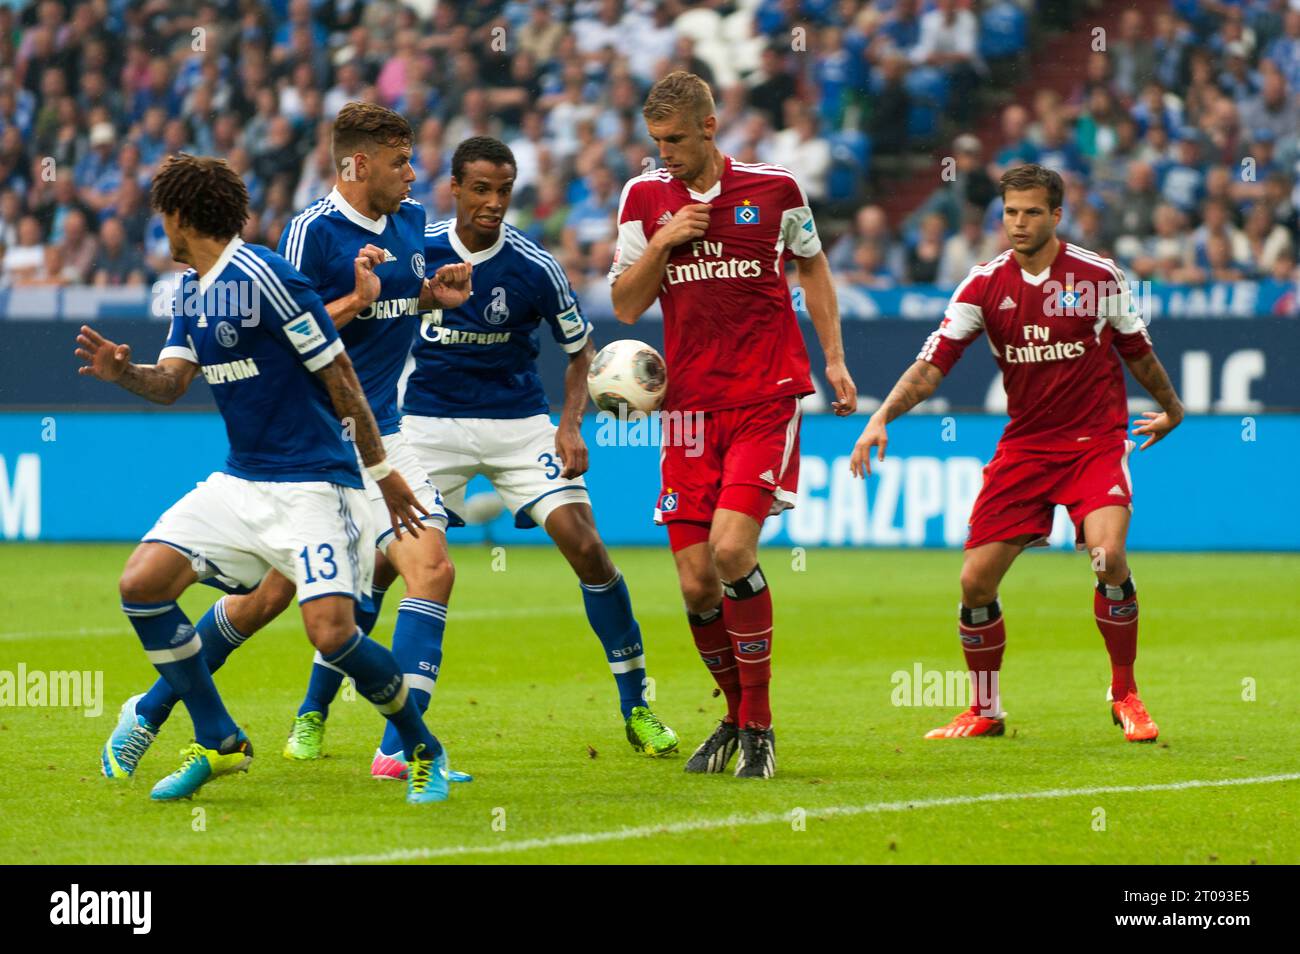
(431, 578)
(1110, 562)
(137, 585)
(590, 560)
(701, 593)
(733, 558)
(330, 635)
(977, 588)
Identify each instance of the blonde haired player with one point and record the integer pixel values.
(710, 237)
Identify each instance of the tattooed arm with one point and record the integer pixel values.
(109, 361)
(917, 383)
(1151, 374)
(350, 405)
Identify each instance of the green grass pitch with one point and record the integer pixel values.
(526, 703)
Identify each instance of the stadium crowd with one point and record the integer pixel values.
(1180, 145)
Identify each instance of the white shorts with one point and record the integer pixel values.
(398, 453)
(233, 530)
(517, 455)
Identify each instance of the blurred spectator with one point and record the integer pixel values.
(1018, 148)
(1136, 207)
(800, 149)
(1132, 54)
(1216, 219)
(77, 249)
(888, 109)
(950, 42)
(119, 262)
(969, 247)
(24, 262)
(590, 225)
(923, 256)
(868, 267)
(870, 225)
(1160, 255)
(11, 212)
(1267, 241)
(1275, 108)
(1183, 182)
(970, 185)
(774, 86)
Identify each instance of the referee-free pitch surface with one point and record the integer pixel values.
(525, 702)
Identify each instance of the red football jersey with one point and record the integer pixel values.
(1055, 336)
(730, 333)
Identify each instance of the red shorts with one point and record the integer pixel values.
(1022, 488)
(744, 459)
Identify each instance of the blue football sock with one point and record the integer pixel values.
(609, 610)
(220, 639)
(378, 678)
(366, 618)
(417, 647)
(175, 649)
(322, 687)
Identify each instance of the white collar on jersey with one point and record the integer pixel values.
(1038, 279)
(475, 258)
(223, 260)
(716, 189)
(352, 215)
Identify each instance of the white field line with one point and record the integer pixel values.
(772, 818)
(290, 620)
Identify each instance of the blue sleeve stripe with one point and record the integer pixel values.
(298, 230)
(437, 228)
(268, 282)
(548, 263)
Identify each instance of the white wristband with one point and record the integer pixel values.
(379, 471)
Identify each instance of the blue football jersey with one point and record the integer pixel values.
(480, 360)
(259, 332)
(322, 242)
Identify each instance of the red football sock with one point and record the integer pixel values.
(1116, 610)
(983, 638)
(714, 646)
(747, 609)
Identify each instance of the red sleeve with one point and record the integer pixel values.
(963, 320)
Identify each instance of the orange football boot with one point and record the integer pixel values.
(969, 722)
(1130, 713)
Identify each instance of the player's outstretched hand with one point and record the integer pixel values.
(873, 436)
(687, 224)
(402, 505)
(572, 451)
(104, 359)
(450, 286)
(1156, 425)
(363, 267)
(846, 392)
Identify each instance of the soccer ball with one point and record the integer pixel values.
(628, 372)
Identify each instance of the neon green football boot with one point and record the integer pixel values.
(306, 737)
(649, 735)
